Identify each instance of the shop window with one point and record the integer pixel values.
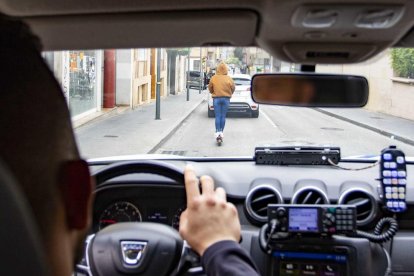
(82, 81)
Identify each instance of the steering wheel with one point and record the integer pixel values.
(136, 248)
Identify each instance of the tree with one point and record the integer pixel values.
(402, 61)
(238, 53)
(183, 51)
(233, 60)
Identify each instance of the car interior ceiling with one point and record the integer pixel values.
(271, 25)
(276, 26)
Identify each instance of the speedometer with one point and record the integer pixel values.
(121, 211)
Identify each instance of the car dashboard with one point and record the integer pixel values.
(251, 187)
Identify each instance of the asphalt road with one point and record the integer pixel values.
(279, 126)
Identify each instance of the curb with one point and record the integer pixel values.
(377, 130)
(175, 128)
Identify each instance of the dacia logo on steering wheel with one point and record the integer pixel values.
(132, 252)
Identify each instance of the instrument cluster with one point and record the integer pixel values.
(138, 203)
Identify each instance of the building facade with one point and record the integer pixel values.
(387, 94)
(94, 80)
(136, 76)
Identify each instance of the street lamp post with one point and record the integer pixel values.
(158, 89)
(188, 75)
(201, 74)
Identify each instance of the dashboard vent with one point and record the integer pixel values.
(310, 195)
(257, 200)
(366, 205)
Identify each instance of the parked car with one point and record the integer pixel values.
(241, 102)
(194, 80)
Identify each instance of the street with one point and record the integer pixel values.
(185, 130)
(281, 126)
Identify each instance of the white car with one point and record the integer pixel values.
(241, 102)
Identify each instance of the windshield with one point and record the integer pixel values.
(158, 101)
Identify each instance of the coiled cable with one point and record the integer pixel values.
(381, 233)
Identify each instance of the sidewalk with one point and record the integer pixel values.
(135, 131)
(104, 113)
(387, 125)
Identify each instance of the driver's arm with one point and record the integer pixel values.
(227, 258)
(211, 227)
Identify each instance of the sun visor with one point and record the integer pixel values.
(146, 30)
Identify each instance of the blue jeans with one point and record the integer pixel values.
(221, 105)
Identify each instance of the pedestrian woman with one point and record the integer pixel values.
(221, 87)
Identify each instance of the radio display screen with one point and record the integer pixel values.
(303, 220)
(307, 263)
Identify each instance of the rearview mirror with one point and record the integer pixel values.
(310, 90)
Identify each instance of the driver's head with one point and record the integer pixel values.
(37, 144)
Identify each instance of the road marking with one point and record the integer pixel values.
(268, 119)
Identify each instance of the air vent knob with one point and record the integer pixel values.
(281, 212)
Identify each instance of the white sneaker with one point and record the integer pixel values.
(221, 134)
(216, 135)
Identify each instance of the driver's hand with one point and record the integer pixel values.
(209, 218)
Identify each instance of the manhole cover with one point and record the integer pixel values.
(174, 152)
(377, 118)
(110, 136)
(332, 128)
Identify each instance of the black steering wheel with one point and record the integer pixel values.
(136, 248)
(143, 166)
